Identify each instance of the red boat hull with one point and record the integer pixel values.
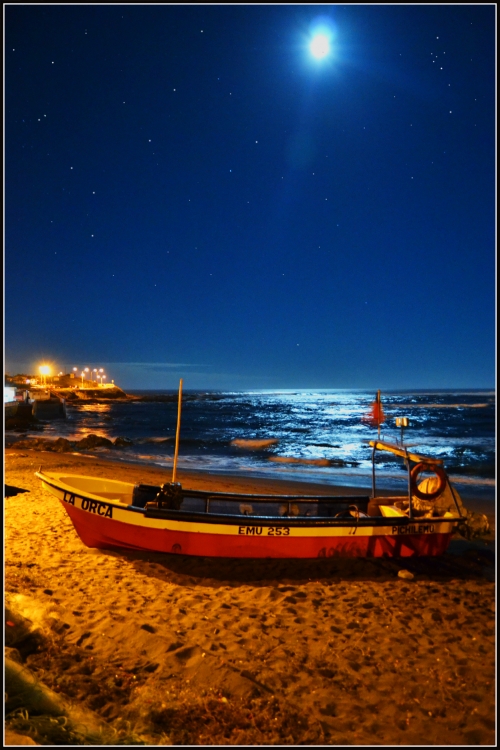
(106, 533)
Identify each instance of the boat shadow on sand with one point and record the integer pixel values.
(464, 560)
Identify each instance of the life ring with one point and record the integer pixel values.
(437, 470)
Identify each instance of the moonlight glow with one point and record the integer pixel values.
(319, 46)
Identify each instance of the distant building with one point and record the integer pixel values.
(21, 379)
(64, 381)
(67, 380)
(9, 394)
(40, 395)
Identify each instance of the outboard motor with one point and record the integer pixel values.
(170, 496)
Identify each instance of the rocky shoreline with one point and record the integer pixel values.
(86, 394)
(63, 445)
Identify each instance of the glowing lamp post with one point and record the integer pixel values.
(44, 371)
(96, 376)
(83, 375)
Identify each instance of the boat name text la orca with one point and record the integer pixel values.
(93, 506)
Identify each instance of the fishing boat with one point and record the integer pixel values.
(108, 513)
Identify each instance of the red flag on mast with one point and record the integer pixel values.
(376, 415)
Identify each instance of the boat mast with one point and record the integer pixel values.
(177, 432)
(379, 413)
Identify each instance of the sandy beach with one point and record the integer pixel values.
(177, 650)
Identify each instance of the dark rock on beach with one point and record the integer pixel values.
(122, 442)
(23, 419)
(63, 445)
(21, 634)
(93, 441)
(17, 423)
(10, 491)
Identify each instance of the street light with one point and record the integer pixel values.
(44, 371)
(86, 369)
(82, 378)
(95, 370)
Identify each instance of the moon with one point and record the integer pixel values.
(319, 46)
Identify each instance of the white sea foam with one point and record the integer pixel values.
(254, 444)
(239, 432)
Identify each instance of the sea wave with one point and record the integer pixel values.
(484, 481)
(155, 440)
(298, 470)
(254, 444)
(439, 406)
(292, 460)
(312, 435)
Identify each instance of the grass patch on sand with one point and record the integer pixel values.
(221, 721)
(59, 730)
(205, 721)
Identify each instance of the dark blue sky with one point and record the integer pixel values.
(190, 193)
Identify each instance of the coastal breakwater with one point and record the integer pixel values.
(25, 416)
(31, 414)
(85, 394)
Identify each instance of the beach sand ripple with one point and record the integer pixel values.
(209, 651)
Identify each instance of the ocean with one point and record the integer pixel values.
(301, 435)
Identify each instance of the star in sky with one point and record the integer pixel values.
(365, 127)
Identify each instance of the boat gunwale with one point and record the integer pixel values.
(364, 522)
(209, 494)
(254, 520)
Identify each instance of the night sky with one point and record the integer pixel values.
(190, 193)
